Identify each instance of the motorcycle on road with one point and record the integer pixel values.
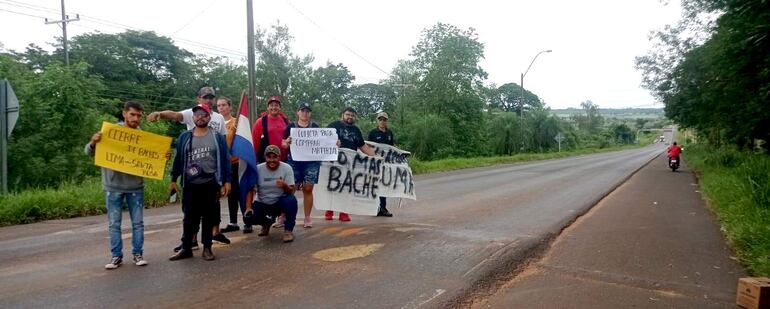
(673, 163)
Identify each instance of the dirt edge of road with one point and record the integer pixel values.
(515, 258)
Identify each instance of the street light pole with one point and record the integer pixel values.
(521, 98)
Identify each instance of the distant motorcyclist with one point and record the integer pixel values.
(674, 151)
(673, 156)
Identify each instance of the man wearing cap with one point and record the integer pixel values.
(274, 195)
(203, 162)
(381, 134)
(268, 129)
(305, 172)
(350, 137)
(206, 96)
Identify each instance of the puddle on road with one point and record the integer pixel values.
(347, 253)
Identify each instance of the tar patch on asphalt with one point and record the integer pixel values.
(347, 253)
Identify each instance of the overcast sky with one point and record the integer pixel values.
(594, 42)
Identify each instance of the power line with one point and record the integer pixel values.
(25, 14)
(334, 38)
(221, 51)
(194, 17)
(17, 3)
(200, 50)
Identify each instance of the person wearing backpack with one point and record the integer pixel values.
(268, 130)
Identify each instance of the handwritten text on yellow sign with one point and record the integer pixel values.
(132, 151)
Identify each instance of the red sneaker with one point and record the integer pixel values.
(329, 215)
(344, 217)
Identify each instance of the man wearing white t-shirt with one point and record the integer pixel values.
(206, 96)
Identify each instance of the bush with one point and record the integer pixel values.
(737, 186)
(69, 200)
(756, 171)
(728, 158)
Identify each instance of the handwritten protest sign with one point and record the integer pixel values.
(349, 184)
(396, 179)
(313, 144)
(354, 182)
(132, 151)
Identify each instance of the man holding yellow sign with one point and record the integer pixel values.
(131, 151)
(127, 154)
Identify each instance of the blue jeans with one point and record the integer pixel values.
(135, 202)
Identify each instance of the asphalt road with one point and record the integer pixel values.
(468, 230)
(651, 243)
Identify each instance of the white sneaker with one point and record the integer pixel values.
(139, 260)
(307, 223)
(279, 221)
(114, 263)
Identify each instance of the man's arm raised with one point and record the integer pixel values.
(165, 115)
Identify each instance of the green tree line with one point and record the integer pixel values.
(712, 71)
(439, 103)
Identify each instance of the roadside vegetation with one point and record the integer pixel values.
(736, 185)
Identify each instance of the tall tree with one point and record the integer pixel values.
(446, 61)
(138, 65)
(592, 121)
(508, 97)
(57, 116)
(368, 99)
(278, 70)
(718, 82)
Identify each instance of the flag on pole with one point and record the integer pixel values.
(243, 148)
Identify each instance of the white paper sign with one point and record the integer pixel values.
(313, 144)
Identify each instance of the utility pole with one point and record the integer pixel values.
(64, 20)
(252, 74)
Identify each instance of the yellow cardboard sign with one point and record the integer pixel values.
(132, 151)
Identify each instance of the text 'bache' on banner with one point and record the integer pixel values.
(313, 144)
(132, 151)
(354, 182)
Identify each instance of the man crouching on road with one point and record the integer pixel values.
(203, 161)
(275, 195)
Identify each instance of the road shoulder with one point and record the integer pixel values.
(650, 243)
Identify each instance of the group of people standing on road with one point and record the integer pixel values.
(208, 172)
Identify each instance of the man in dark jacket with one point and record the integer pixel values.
(203, 161)
(381, 134)
(350, 137)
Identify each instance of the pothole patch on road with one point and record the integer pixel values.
(410, 229)
(347, 253)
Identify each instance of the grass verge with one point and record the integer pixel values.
(737, 188)
(68, 201)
